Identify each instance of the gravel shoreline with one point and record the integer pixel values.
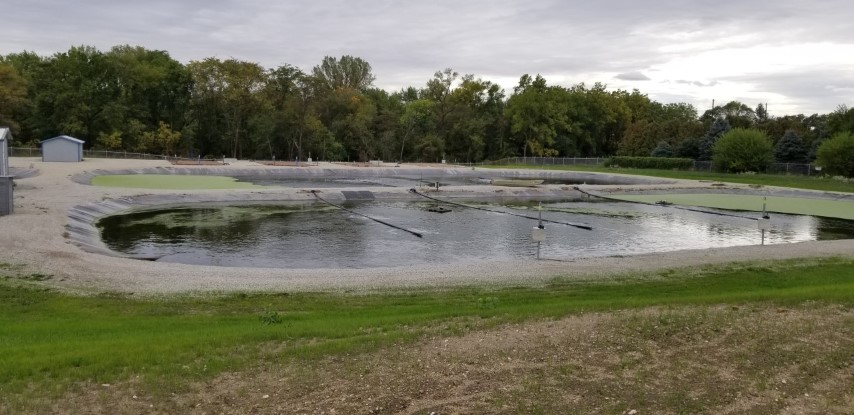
(35, 240)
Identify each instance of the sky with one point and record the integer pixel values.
(796, 56)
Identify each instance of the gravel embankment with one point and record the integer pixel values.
(36, 239)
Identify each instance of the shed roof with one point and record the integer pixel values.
(5, 134)
(64, 137)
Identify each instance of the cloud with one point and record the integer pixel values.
(697, 83)
(632, 76)
(406, 42)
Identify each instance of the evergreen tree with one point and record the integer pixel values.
(662, 150)
(689, 148)
(719, 127)
(790, 148)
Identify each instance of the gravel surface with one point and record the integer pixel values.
(36, 239)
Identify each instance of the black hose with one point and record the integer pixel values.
(613, 199)
(585, 227)
(314, 192)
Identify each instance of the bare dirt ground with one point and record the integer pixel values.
(713, 360)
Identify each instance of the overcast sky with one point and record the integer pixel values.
(796, 55)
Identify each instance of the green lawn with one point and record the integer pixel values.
(171, 181)
(799, 206)
(51, 341)
(797, 182)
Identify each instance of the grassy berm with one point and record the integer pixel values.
(751, 338)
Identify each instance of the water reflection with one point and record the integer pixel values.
(309, 235)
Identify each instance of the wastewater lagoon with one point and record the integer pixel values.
(317, 235)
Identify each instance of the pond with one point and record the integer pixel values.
(316, 235)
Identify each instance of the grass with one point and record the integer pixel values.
(793, 181)
(171, 181)
(51, 341)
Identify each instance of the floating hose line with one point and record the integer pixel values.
(670, 205)
(314, 192)
(585, 227)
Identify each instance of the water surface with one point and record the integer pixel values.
(315, 235)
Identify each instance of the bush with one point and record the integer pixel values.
(836, 155)
(741, 150)
(650, 163)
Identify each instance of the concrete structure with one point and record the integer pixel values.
(5, 137)
(6, 183)
(62, 148)
(6, 195)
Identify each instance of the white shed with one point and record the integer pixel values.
(62, 148)
(5, 137)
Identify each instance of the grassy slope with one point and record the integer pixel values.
(171, 181)
(51, 341)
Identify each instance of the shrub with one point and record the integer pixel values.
(650, 162)
(741, 150)
(836, 155)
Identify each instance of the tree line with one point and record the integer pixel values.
(136, 99)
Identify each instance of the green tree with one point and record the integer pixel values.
(416, 121)
(689, 148)
(737, 114)
(110, 141)
(347, 72)
(597, 119)
(707, 142)
(663, 149)
(836, 155)
(77, 93)
(13, 97)
(790, 149)
(226, 95)
(162, 141)
(537, 113)
(154, 88)
(841, 120)
(742, 150)
(29, 67)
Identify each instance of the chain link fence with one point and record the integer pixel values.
(775, 168)
(37, 152)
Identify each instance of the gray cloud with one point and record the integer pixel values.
(819, 90)
(697, 83)
(632, 76)
(406, 42)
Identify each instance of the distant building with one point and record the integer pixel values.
(62, 148)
